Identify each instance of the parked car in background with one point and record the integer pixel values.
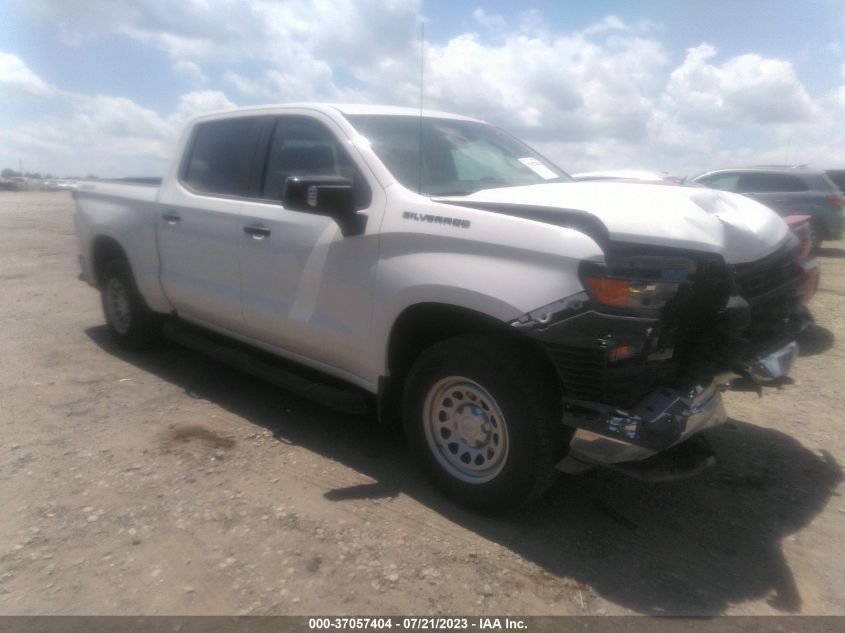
(800, 226)
(19, 183)
(628, 174)
(788, 191)
(837, 176)
(59, 184)
(7, 184)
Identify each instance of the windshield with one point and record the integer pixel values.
(458, 157)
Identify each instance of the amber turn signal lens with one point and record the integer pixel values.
(612, 292)
(621, 353)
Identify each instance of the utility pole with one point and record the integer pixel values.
(20, 167)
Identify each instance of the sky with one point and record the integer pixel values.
(104, 86)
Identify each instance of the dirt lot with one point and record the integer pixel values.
(163, 483)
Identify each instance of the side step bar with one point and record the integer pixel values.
(234, 355)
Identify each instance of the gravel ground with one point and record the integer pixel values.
(164, 483)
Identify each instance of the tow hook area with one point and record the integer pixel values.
(658, 439)
(768, 370)
(662, 419)
(679, 462)
(683, 460)
(774, 365)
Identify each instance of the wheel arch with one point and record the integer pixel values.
(421, 325)
(104, 249)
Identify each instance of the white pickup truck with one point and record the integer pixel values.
(436, 270)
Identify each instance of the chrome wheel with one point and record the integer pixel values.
(465, 429)
(118, 308)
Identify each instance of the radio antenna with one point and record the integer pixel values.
(422, 68)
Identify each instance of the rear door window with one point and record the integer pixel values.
(765, 183)
(837, 178)
(724, 182)
(221, 156)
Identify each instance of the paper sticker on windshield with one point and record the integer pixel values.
(538, 168)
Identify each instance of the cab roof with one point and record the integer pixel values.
(342, 108)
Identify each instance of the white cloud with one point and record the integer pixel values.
(596, 82)
(312, 80)
(494, 23)
(188, 29)
(839, 97)
(117, 117)
(190, 71)
(609, 23)
(16, 76)
(569, 86)
(745, 89)
(195, 103)
(354, 32)
(607, 95)
(104, 135)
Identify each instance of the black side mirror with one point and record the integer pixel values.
(333, 196)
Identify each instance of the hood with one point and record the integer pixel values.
(696, 218)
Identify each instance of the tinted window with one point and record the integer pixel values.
(303, 147)
(762, 183)
(725, 182)
(458, 157)
(837, 177)
(221, 156)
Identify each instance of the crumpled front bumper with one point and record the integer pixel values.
(773, 365)
(663, 419)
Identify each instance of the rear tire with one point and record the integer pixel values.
(484, 422)
(815, 236)
(133, 325)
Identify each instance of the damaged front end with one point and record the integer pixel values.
(643, 353)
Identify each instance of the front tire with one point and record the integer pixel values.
(133, 325)
(483, 420)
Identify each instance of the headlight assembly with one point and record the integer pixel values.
(631, 293)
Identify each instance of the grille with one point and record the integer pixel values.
(778, 274)
(581, 370)
(702, 343)
(586, 375)
(770, 287)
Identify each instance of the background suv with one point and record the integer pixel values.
(788, 191)
(837, 176)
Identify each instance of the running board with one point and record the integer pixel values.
(234, 355)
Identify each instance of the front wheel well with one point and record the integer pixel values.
(423, 325)
(105, 249)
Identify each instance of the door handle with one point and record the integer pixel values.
(257, 231)
(171, 217)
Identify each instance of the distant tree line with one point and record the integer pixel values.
(11, 173)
